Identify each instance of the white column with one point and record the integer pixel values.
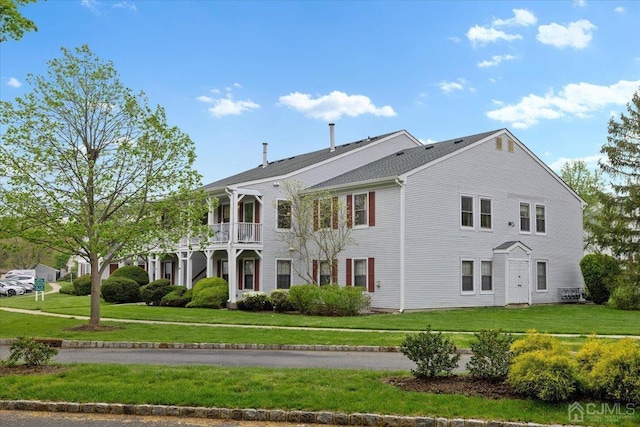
(180, 278)
(233, 276)
(189, 262)
(158, 266)
(209, 254)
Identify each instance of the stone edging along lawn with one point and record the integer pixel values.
(271, 415)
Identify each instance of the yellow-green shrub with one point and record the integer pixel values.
(533, 341)
(549, 375)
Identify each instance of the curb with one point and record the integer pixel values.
(272, 415)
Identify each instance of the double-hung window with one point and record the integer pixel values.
(284, 214)
(325, 273)
(485, 214)
(541, 219)
(541, 269)
(360, 209)
(283, 274)
(467, 276)
(525, 217)
(360, 272)
(466, 211)
(486, 274)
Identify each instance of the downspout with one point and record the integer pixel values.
(402, 184)
(231, 250)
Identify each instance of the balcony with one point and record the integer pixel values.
(245, 232)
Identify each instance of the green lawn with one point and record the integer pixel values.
(347, 391)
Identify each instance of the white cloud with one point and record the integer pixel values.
(229, 107)
(521, 17)
(579, 3)
(455, 39)
(334, 105)
(125, 5)
(620, 9)
(204, 99)
(574, 100)
(576, 35)
(92, 5)
(13, 82)
(591, 161)
(238, 85)
(458, 84)
(427, 141)
(495, 60)
(478, 35)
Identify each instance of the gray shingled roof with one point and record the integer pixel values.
(292, 164)
(403, 161)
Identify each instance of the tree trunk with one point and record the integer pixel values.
(94, 318)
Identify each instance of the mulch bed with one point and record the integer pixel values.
(456, 384)
(92, 328)
(25, 370)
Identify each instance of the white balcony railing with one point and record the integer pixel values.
(245, 232)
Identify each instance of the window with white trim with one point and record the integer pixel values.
(324, 273)
(247, 272)
(466, 211)
(525, 217)
(360, 209)
(360, 272)
(283, 274)
(485, 214)
(541, 219)
(541, 274)
(486, 275)
(467, 276)
(284, 214)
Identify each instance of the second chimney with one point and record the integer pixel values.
(264, 154)
(332, 137)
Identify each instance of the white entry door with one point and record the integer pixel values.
(518, 280)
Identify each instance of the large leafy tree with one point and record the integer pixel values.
(589, 185)
(619, 219)
(12, 23)
(92, 170)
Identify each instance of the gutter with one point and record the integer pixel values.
(402, 184)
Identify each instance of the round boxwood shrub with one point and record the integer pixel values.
(133, 272)
(599, 272)
(280, 301)
(206, 298)
(82, 285)
(67, 289)
(153, 293)
(120, 290)
(178, 297)
(216, 299)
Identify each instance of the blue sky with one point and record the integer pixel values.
(236, 74)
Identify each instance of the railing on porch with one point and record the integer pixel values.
(245, 232)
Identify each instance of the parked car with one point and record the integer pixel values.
(10, 290)
(27, 282)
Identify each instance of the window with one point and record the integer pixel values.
(485, 214)
(284, 214)
(467, 276)
(525, 218)
(466, 208)
(325, 273)
(360, 209)
(247, 270)
(224, 267)
(541, 225)
(486, 274)
(324, 213)
(225, 213)
(283, 274)
(247, 212)
(360, 272)
(541, 283)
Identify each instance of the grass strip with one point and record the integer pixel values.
(288, 389)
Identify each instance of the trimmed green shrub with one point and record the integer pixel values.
(329, 300)
(133, 272)
(599, 272)
(220, 294)
(82, 285)
(626, 295)
(67, 289)
(255, 301)
(491, 355)
(205, 298)
(534, 341)
(611, 370)
(548, 375)
(178, 297)
(280, 301)
(152, 293)
(32, 352)
(120, 290)
(432, 353)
